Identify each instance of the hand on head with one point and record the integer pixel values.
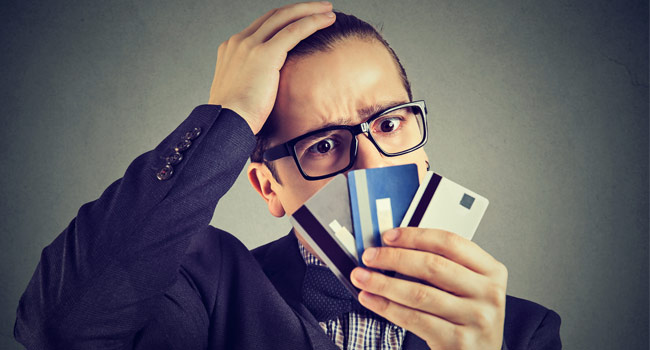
(248, 63)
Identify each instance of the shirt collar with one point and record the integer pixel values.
(309, 258)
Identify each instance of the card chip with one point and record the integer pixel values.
(467, 201)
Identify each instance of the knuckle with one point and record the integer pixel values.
(266, 15)
(246, 43)
(237, 37)
(222, 46)
(483, 318)
(383, 307)
(410, 319)
(495, 294)
(286, 10)
(304, 24)
(419, 237)
(297, 7)
(451, 240)
(421, 296)
(434, 264)
(292, 27)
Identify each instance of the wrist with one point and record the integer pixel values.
(254, 126)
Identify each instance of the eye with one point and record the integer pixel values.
(323, 146)
(389, 124)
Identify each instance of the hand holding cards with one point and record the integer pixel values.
(348, 215)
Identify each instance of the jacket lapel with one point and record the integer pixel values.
(281, 262)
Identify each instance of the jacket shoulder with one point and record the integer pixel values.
(280, 247)
(529, 325)
(210, 254)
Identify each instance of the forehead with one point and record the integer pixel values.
(335, 87)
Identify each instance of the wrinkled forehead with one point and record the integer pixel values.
(344, 85)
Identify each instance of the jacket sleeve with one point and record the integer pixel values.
(95, 282)
(547, 335)
(530, 326)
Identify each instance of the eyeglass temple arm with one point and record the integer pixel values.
(277, 152)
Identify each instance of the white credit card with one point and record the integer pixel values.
(443, 204)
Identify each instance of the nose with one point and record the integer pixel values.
(368, 156)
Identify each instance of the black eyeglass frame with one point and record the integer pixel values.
(288, 148)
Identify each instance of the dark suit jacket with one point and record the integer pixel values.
(141, 268)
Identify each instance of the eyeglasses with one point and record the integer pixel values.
(329, 151)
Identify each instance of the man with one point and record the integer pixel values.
(140, 267)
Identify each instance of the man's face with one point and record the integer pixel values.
(343, 86)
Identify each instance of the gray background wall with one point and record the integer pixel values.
(541, 106)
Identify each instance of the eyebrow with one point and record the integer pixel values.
(363, 114)
(367, 112)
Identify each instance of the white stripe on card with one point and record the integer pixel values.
(365, 219)
(345, 237)
(384, 214)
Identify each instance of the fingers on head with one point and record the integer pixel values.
(256, 24)
(308, 17)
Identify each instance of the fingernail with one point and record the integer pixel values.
(370, 254)
(361, 275)
(330, 14)
(391, 235)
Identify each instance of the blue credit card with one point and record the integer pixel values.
(379, 198)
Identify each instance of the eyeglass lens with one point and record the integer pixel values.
(329, 152)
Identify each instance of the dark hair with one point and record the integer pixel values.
(345, 27)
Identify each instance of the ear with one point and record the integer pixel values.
(423, 167)
(263, 182)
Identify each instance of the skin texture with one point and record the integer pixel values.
(466, 308)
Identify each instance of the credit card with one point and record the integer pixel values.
(379, 198)
(324, 223)
(443, 204)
